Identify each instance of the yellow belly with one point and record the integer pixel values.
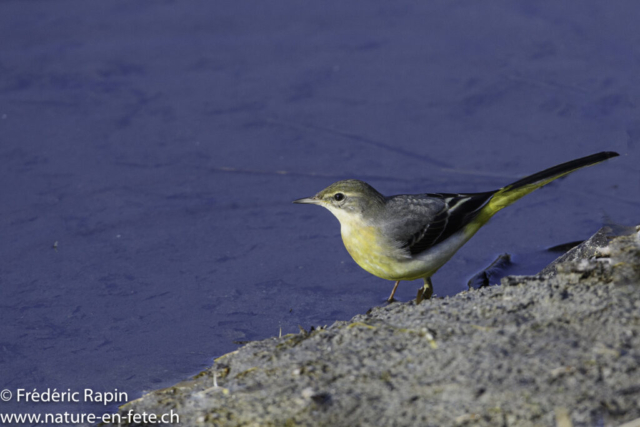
(385, 260)
(378, 257)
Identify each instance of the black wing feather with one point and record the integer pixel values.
(460, 209)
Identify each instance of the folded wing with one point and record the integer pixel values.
(428, 219)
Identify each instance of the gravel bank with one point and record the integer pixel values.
(560, 348)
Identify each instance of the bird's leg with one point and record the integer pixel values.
(426, 291)
(393, 292)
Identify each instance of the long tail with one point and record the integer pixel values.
(509, 194)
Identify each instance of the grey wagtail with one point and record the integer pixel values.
(410, 236)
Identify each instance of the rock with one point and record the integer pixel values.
(559, 348)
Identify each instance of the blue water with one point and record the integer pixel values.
(150, 151)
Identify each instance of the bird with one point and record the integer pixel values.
(410, 236)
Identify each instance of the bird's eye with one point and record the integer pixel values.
(338, 197)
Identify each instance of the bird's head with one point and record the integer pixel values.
(349, 200)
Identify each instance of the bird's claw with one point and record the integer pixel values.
(424, 292)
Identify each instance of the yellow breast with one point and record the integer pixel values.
(371, 252)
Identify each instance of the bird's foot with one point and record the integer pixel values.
(393, 292)
(424, 292)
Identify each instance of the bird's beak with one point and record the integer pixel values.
(308, 200)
